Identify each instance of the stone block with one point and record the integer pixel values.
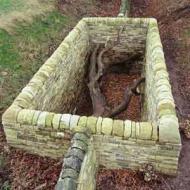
(133, 130)
(99, 125)
(82, 121)
(11, 114)
(73, 163)
(169, 129)
(118, 128)
(145, 130)
(80, 145)
(66, 184)
(107, 126)
(35, 117)
(127, 129)
(70, 173)
(65, 121)
(91, 124)
(56, 121)
(75, 152)
(41, 123)
(74, 121)
(81, 136)
(49, 120)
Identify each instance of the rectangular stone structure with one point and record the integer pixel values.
(39, 119)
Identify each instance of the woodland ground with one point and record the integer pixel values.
(31, 30)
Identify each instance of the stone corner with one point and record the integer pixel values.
(169, 130)
(10, 115)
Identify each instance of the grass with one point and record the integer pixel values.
(10, 5)
(22, 53)
(12, 11)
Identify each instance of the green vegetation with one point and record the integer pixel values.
(24, 51)
(10, 5)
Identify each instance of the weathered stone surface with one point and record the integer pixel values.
(145, 130)
(49, 120)
(70, 173)
(25, 116)
(35, 117)
(11, 114)
(42, 119)
(169, 129)
(74, 121)
(154, 131)
(118, 128)
(81, 129)
(133, 130)
(87, 177)
(66, 184)
(73, 163)
(82, 137)
(107, 126)
(75, 152)
(56, 121)
(127, 129)
(91, 124)
(82, 121)
(137, 129)
(99, 125)
(65, 121)
(80, 144)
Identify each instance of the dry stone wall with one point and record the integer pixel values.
(34, 121)
(57, 85)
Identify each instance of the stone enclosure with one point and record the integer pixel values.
(40, 119)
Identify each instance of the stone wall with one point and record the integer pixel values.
(57, 84)
(31, 122)
(78, 160)
(114, 152)
(132, 38)
(159, 102)
(87, 178)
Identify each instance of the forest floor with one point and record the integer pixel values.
(30, 42)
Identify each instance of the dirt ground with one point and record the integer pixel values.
(26, 171)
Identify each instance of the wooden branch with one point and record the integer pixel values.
(136, 83)
(98, 100)
(96, 70)
(129, 92)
